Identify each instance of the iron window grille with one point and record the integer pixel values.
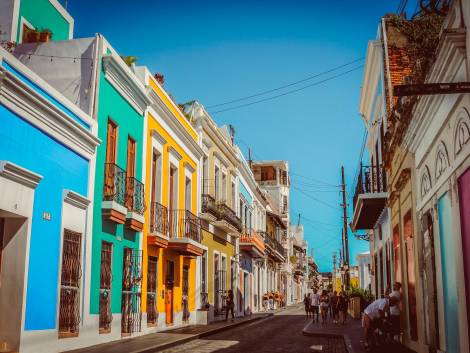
(69, 307)
(105, 315)
(131, 318)
(152, 314)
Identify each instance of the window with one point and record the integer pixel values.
(156, 177)
(410, 265)
(396, 253)
(105, 287)
(234, 204)
(152, 292)
(27, 34)
(170, 273)
(268, 173)
(130, 183)
(216, 183)
(205, 171)
(204, 273)
(69, 306)
(187, 194)
(111, 142)
(284, 204)
(224, 187)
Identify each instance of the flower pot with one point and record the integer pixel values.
(45, 37)
(32, 37)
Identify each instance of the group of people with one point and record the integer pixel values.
(383, 316)
(273, 300)
(323, 303)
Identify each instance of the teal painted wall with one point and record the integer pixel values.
(449, 279)
(41, 14)
(112, 105)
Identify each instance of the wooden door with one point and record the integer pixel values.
(171, 205)
(169, 305)
(130, 186)
(111, 142)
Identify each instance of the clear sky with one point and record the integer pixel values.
(216, 51)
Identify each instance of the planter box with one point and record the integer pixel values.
(354, 307)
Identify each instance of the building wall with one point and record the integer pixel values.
(130, 123)
(45, 14)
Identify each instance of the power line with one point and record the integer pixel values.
(326, 184)
(284, 86)
(288, 92)
(314, 198)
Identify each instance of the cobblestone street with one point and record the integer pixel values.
(280, 333)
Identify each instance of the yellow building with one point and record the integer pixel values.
(172, 234)
(219, 201)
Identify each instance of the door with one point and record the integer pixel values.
(185, 297)
(152, 291)
(246, 289)
(464, 195)
(169, 283)
(110, 165)
(130, 179)
(105, 316)
(449, 281)
(410, 266)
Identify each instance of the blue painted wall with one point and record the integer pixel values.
(448, 274)
(61, 168)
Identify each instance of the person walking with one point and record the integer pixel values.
(230, 305)
(334, 306)
(330, 307)
(315, 304)
(307, 304)
(265, 302)
(343, 307)
(324, 303)
(271, 300)
(395, 311)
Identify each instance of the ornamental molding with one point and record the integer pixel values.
(442, 160)
(462, 131)
(25, 102)
(19, 175)
(189, 167)
(175, 153)
(158, 137)
(124, 82)
(168, 117)
(76, 199)
(426, 184)
(403, 178)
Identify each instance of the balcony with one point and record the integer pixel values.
(209, 209)
(370, 197)
(274, 248)
(185, 233)
(158, 232)
(228, 220)
(135, 203)
(114, 194)
(252, 243)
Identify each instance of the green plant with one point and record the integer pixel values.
(129, 60)
(293, 259)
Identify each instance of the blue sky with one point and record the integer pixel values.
(216, 51)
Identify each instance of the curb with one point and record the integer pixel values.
(347, 340)
(196, 336)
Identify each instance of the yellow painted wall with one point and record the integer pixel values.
(214, 244)
(165, 254)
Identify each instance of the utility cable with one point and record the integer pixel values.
(285, 86)
(288, 92)
(314, 198)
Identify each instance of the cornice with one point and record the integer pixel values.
(189, 167)
(20, 175)
(216, 138)
(158, 137)
(24, 101)
(131, 89)
(175, 153)
(164, 112)
(76, 200)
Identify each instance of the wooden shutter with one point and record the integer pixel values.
(111, 142)
(130, 157)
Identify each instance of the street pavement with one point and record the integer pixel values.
(279, 333)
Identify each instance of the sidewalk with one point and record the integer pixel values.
(351, 333)
(154, 342)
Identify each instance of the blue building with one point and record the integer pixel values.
(47, 148)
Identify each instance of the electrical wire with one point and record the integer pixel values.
(288, 92)
(314, 198)
(285, 86)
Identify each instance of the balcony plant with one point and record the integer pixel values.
(45, 35)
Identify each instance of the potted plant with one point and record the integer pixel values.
(32, 36)
(160, 78)
(45, 35)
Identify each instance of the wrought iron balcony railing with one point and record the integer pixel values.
(274, 244)
(227, 214)
(209, 205)
(135, 195)
(371, 179)
(248, 235)
(184, 224)
(159, 219)
(114, 188)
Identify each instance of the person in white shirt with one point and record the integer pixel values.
(395, 309)
(315, 304)
(373, 315)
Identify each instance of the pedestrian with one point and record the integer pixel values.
(343, 307)
(265, 302)
(330, 297)
(395, 311)
(230, 305)
(334, 306)
(324, 303)
(307, 304)
(315, 304)
(373, 318)
(271, 300)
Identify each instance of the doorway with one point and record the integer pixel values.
(13, 241)
(169, 297)
(246, 290)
